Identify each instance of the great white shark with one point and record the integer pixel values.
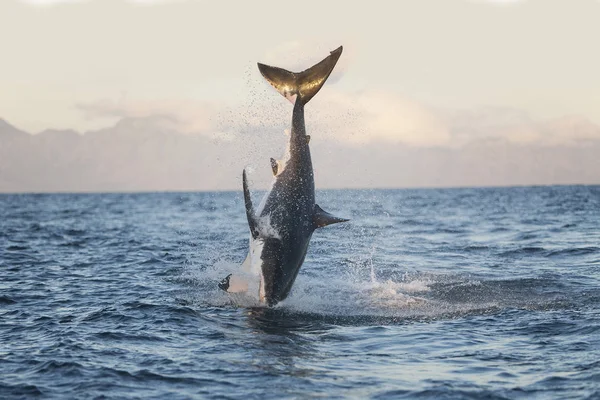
(288, 215)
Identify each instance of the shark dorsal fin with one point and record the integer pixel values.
(274, 166)
(322, 218)
(250, 214)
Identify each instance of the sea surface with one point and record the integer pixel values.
(489, 293)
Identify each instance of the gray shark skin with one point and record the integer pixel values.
(284, 223)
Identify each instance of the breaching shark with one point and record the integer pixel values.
(288, 215)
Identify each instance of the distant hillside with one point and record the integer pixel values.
(141, 155)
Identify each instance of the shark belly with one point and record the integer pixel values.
(290, 216)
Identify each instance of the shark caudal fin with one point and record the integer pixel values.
(300, 85)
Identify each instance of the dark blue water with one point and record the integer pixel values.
(460, 293)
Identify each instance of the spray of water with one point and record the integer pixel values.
(361, 293)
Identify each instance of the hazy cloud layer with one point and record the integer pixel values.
(184, 116)
(356, 118)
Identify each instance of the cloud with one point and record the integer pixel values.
(184, 116)
(516, 126)
(353, 118)
(570, 129)
(379, 116)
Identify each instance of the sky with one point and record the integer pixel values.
(419, 73)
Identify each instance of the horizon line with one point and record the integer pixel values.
(116, 192)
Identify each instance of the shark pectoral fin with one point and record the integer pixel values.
(274, 166)
(322, 218)
(252, 222)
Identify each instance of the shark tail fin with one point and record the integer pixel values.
(300, 86)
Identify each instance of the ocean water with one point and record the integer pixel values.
(431, 294)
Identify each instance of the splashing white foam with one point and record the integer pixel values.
(354, 297)
(266, 229)
(337, 296)
(358, 292)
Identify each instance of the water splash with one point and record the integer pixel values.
(353, 295)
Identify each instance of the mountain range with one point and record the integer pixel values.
(144, 154)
